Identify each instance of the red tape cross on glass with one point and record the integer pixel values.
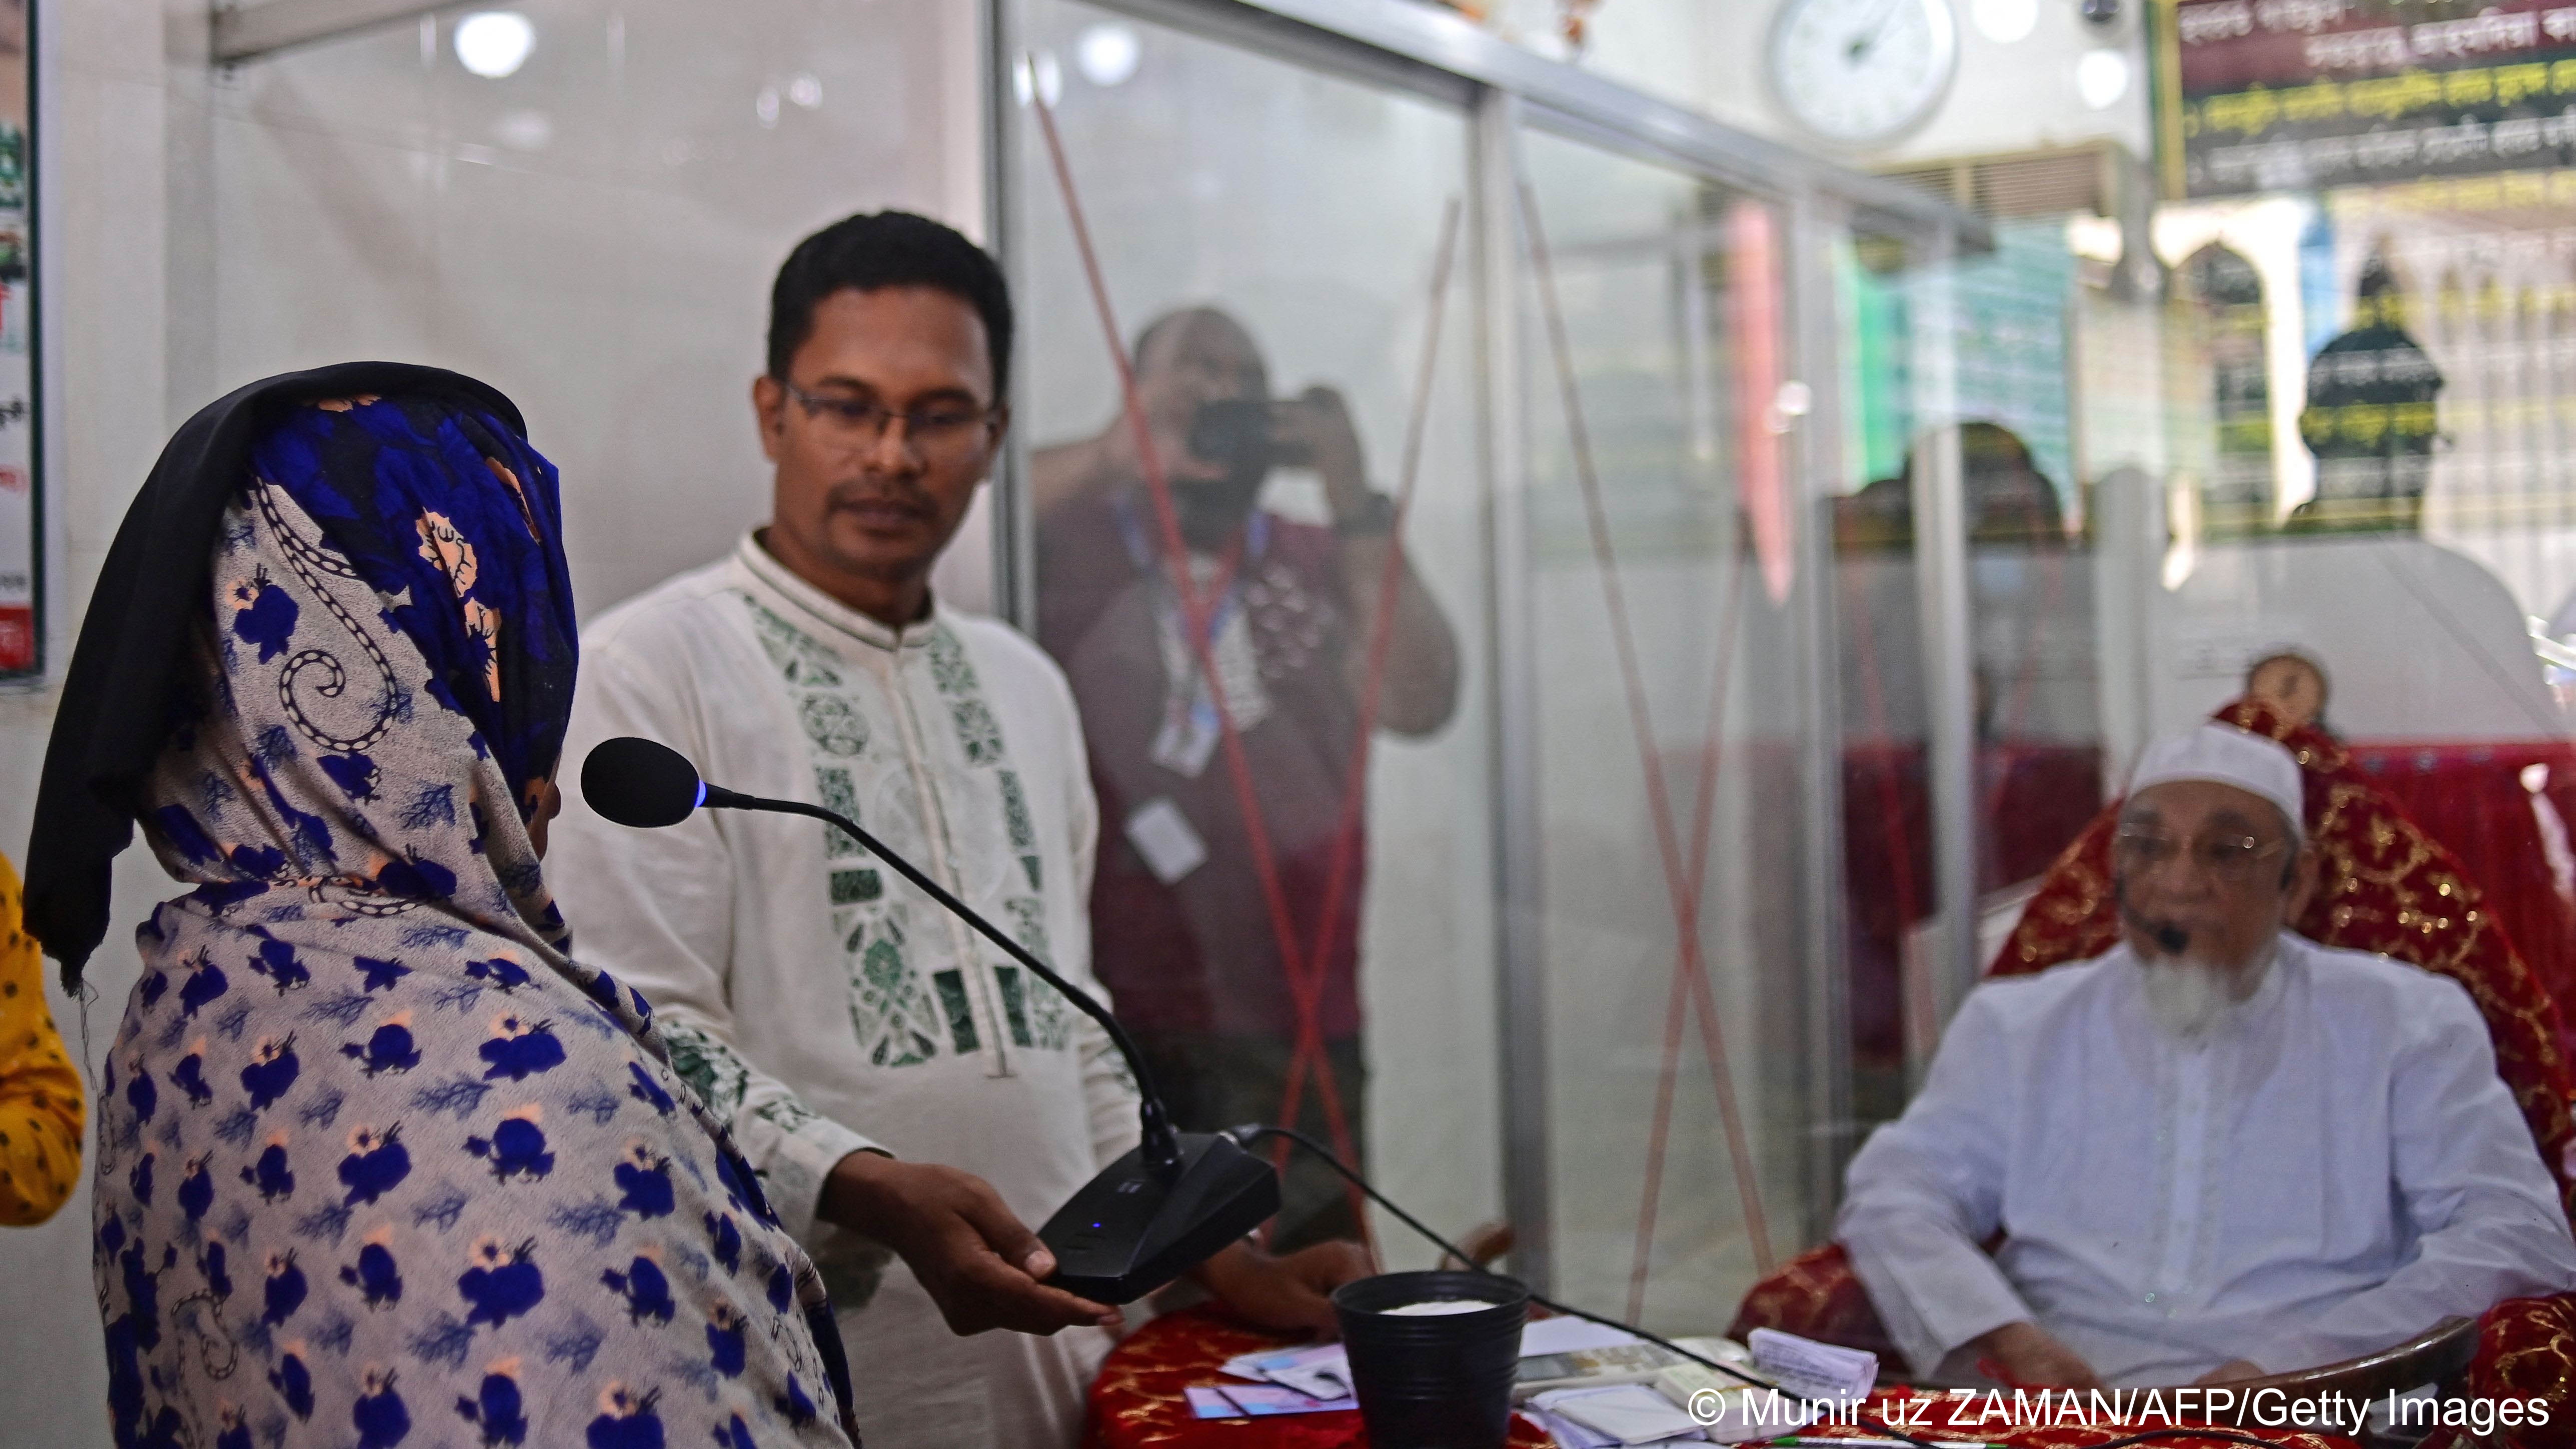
(1306, 971)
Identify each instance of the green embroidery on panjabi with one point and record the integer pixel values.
(1015, 811)
(891, 1011)
(978, 733)
(1028, 925)
(1013, 1008)
(949, 668)
(839, 795)
(898, 1019)
(708, 1066)
(1050, 1017)
(786, 1114)
(1049, 1014)
(1119, 1072)
(833, 726)
(961, 1017)
(1041, 1015)
(888, 1007)
(1023, 830)
(799, 657)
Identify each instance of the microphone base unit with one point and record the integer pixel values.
(1132, 1229)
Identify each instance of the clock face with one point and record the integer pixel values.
(1862, 72)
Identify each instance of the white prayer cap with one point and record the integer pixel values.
(2228, 756)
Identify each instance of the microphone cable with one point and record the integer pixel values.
(1250, 1133)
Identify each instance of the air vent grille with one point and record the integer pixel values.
(2028, 184)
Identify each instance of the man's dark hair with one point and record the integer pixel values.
(875, 250)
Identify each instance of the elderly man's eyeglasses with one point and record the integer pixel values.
(940, 429)
(2233, 859)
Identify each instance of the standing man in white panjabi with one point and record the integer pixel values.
(2216, 1151)
(898, 1082)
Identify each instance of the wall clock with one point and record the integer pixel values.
(1862, 73)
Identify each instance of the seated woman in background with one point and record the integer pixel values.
(376, 1155)
(40, 1094)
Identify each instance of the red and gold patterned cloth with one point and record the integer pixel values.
(2385, 886)
(1137, 1399)
(2495, 803)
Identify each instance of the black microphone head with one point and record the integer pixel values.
(2169, 937)
(640, 782)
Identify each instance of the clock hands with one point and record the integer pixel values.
(1867, 40)
(1860, 73)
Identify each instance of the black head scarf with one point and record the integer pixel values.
(129, 671)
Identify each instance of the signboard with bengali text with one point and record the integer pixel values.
(2296, 95)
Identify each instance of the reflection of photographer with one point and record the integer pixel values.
(1182, 930)
(1206, 398)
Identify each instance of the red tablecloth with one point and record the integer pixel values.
(1138, 1400)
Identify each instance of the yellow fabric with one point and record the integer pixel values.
(40, 1094)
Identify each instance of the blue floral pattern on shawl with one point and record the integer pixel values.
(379, 1163)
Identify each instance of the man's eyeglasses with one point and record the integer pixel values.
(2233, 859)
(940, 429)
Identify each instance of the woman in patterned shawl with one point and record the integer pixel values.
(379, 1161)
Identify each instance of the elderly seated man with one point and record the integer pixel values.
(2216, 1151)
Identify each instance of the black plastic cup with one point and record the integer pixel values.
(1433, 1380)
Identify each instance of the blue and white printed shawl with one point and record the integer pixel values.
(379, 1163)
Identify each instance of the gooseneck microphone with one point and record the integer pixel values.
(638, 782)
(1162, 1209)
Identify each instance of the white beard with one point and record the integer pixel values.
(2186, 996)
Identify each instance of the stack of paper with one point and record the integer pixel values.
(1570, 1335)
(1734, 1415)
(1320, 1371)
(1621, 1414)
(1311, 1380)
(1810, 1369)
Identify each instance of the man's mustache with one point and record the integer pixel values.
(2171, 937)
(880, 494)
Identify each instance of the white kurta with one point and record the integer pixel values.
(2332, 1169)
(818, 1001)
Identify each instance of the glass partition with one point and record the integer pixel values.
(1667, 722)
(1300, 851)
(2004, 426)
(1890, 891)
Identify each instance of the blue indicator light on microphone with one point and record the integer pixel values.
(702, 796)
